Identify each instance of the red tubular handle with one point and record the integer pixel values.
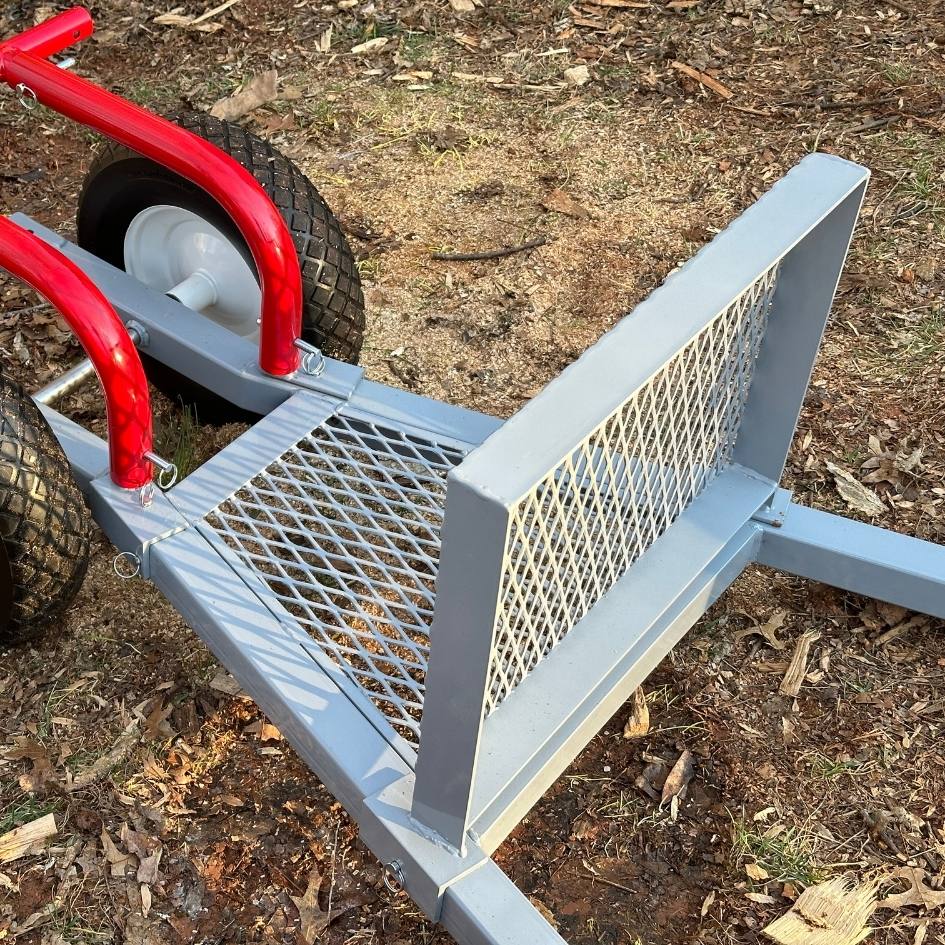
(100, 331)
(227, 181)
(54, 35)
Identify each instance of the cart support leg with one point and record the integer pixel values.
(857, 557)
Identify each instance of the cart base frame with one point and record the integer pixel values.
(333, 723)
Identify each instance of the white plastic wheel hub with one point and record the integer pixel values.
(177, 252)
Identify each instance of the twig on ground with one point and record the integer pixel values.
(490, 253)
(609, 882)
(874, 123)
(111, 759)
(703, 78)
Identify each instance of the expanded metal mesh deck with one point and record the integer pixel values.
(579, 529)
(344, 528)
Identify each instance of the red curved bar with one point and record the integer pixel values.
(228, 182)
(55, 35)
(100, 331)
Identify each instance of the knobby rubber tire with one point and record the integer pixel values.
(121, 183)
(44, 521)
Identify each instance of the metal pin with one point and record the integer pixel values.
(167, 475)
(313, 361)
(79, 373)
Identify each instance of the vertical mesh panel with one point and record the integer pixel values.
(345, 530)
(579, 529)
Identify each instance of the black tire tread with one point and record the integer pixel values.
(333, 302)
(44, 521)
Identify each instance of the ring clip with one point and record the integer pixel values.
(167, 471)
(26, 96)
(126, 573)
(313, 361)
(394, 876)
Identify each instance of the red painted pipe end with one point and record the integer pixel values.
(52, 36)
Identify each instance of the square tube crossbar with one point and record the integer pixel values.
(440, 610)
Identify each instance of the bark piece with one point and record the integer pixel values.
(703, 78)
(20, 841)
(832, 913)
(794, 677)
(638, 724)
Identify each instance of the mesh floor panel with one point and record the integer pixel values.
(579, 530)
(345, 530)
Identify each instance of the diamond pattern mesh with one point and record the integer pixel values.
(345, 530)
(579, 529)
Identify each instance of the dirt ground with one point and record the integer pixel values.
(470, 131)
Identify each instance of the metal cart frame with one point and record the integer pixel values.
(438, 609)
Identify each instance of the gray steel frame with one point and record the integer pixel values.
(722, 352)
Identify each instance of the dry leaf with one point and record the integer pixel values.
(115, 857)
(173, 19)
(371, 45)
(196, 22)
(463, 6)
(892, 614)
(259, 90)
(148, 867)
(768, 630)
(855, 494)
(756, 872)
(919, 894)
(155, 726)
(639, 722)
(761, 898)
(832, 913)
(679, 777)
(313, 919)
(560, 201)
(39, 778)
(20, 841)
(577, 75)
